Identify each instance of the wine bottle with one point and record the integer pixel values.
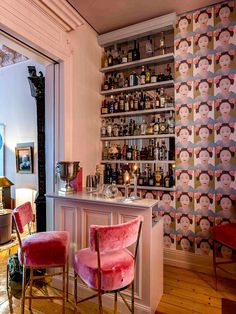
(135, 52)
(142, 76)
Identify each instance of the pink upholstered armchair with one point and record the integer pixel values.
(107, 265)
(39, 251)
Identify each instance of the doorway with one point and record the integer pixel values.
(20, 122)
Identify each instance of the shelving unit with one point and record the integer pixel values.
(168, 57)
(155, 64)
(138, 87)
(137, 113)
(110, 161)
(160, 136)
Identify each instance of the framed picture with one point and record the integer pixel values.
(1, 149)
(24, 159)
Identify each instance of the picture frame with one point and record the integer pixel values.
(24, 159)
(2, 128)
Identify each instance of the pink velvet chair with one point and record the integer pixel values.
(107, 265)
(224, 235)
(40, 251)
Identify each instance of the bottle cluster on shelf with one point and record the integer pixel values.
(138, 100)
(157, 177)
(159, 124)
(134, 78)
(122, 54)
(155, 150)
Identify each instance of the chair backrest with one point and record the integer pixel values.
(23, 215)
(115, 237)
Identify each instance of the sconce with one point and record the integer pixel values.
(5, 192)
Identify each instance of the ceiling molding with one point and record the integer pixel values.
(61, 12)
(9, 56)
(158, 24)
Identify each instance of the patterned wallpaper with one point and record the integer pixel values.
(205, 93)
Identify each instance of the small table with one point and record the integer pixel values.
(5, 225)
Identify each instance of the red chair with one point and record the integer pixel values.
(40, 251)
(223, 235)
(107, 265)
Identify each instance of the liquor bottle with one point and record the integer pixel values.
(135, 153)
(124, 57)
(172, 175)
(162, 98)
(126, 103)
(171, 124)
(105, 151)
(111, 105)
(147, 76)
(106, 85)
(158, 176)
(151, 180)
(115, 55)
(110, 58)
(146, 175)
(115, 130)
(156, 151)
(120, 177)
(141, 102)
(140, 179)
(109, 128)
(168, 75)
(136, 101)
(131, 102)
(104, 108)
(147, 102)
(107, 174)
(156, 127)
(124, 151)
(162, 44)
(153, 77)
(133, 79)
(129, 154)
(157, 101)
(143, 76)
(103, 128)
(150, 150)
(163, 151)
(150, 129)
(163, 126)
(130, 54)
(121, 103)
(116, 104)
(121, 127)
(105, 59)
(119, 58)
(135, 52)
(167, 180)
(143, 127)
(148, 47)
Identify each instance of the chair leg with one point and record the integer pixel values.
(115, 303)
(132, 296)
(23, 291)
(7, 277)
(64, 289)
(214, 263)
(67, 279)
(31, 286)
(75, 288)
(100, 301)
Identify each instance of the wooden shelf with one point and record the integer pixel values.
(151, 188)
(137, 113)
(138, 161)
(169, 57)
(138, 87)
(137, 137)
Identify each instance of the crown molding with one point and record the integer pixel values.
(158, 24)
(61, 12)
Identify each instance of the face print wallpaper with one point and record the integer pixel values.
(205, 97)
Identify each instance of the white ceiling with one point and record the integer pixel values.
(108, 15)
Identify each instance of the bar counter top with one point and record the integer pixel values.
(86, 197)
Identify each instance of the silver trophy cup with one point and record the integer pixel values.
(67, 171)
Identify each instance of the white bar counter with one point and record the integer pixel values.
(76, 212)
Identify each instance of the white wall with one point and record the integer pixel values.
(18, 113)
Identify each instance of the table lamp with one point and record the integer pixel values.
(5, 192)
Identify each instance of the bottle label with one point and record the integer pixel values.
(129, 155)
(143, 80)
(153, 79)
(124, 60)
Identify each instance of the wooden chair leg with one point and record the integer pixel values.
(64, 289)
(132, 300)
(75, 288)
(214, 262)
(23, 291)
(31, 286)
(100, 301)
(115, 303)
(7, 277)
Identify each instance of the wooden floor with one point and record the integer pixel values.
(184, 292)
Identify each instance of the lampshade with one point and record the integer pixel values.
(5, 182)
